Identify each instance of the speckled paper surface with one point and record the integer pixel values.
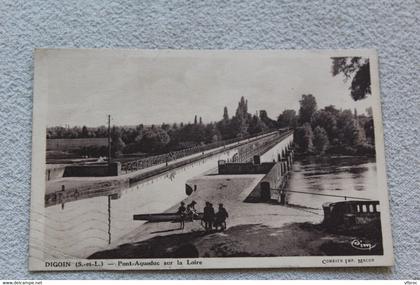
(387, 26)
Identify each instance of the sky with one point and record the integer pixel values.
(84, 86)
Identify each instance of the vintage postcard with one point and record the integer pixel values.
(181, 159)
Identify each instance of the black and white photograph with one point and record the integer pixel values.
(182, 159)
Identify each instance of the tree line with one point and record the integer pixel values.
(332, 131)
(156, 139)
(324, 131)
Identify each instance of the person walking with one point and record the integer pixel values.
(208, 216)
(221, 217)
(182, 212)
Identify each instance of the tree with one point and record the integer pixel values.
(225, 114)
(228, 129)
(303, 138)
(165, 127)
(350, 132)
(287, 119)
(85, 132)
(369, 130)
(320, 140)
(256, 126)
(238, 127)
(327, 121)
(239, 123)
(307, 108)
(358, 70)
(271, 124)
(101, 132)
(198, 133)
(359, 136)
(211, 133)
(117, 144)
(242, 109)
(138, 138)
(154, 140)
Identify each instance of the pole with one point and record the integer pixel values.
(109, 219)
(109, 140)
(63, 190)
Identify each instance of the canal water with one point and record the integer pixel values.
(83, 227)
(343, 176)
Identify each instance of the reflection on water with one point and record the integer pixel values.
(81, 228)
(346, 176)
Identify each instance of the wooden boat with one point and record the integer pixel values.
(165, 217)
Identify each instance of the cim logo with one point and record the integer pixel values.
(362, 245)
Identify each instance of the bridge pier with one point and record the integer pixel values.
(285, 158)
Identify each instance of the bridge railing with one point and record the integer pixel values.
(247, 153)
(280, 194)
(345, 197)
(134, 165)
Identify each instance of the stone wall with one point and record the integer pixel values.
(273, 179)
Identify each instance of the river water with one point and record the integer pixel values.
(343, 176)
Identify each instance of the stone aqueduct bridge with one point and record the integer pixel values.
(273, 148)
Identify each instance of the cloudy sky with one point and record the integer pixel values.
(154, 87)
